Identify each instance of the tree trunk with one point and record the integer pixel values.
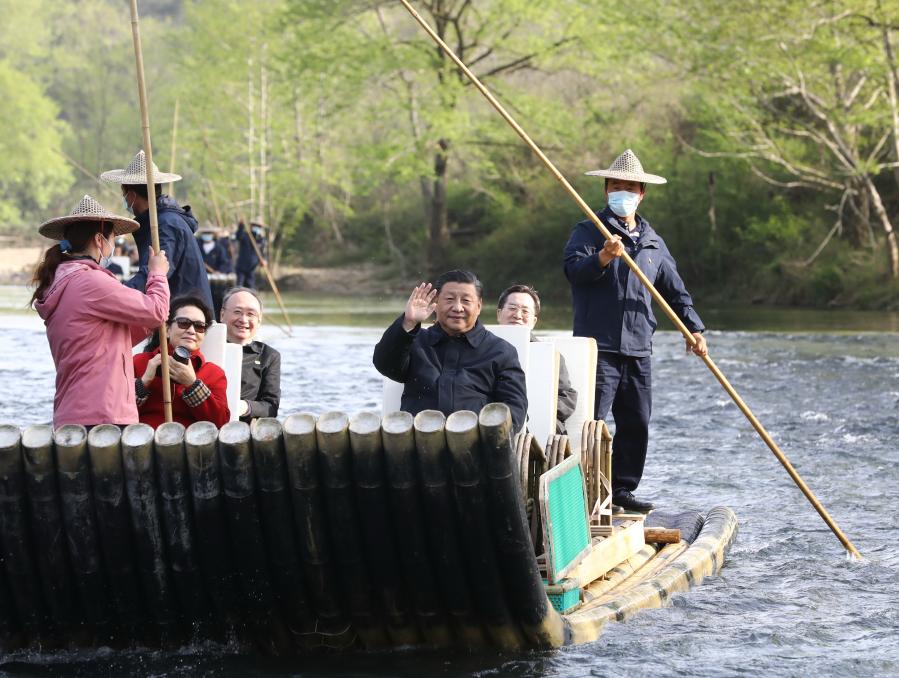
(438, 232)
(886, 224)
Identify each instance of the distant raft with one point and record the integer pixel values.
(348, 533)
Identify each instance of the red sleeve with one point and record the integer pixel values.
(215, 407)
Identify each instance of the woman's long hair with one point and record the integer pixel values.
(176, 305)
(79, 234)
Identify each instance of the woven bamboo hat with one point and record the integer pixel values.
(87, 209)
(627, 167)
(136, 173)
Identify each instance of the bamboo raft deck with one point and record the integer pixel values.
(347, 533)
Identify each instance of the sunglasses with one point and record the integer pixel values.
(184, 323)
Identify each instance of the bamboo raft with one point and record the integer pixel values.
(350, 533)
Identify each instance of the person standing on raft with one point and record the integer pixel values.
(614, 307)
(92, 319)
(177, 227)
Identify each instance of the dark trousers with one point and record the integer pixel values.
(246, 279)
(624, 385)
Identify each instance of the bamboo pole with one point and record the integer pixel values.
(174, 147)
(744, 408)
(151, 198)
(270, 277)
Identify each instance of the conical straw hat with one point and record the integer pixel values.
(136, 173)
(87, 209)
(628, 168)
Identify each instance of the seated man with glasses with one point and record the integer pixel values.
(520, 305)
(199, 388)
(260, 383)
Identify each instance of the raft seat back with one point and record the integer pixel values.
(391, 396)
(580, 358)
(563, 506)
(520, 337)
(542, 376)
(229, 357)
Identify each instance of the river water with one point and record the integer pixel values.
(787, 603)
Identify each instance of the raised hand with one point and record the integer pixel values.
(420, 306)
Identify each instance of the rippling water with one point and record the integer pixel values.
(788, 602)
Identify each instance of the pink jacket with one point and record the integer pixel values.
(92, 322)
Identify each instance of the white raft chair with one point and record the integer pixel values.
(229, 357)
(589, 437)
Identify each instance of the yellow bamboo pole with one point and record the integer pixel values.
(151, 197)
(270, 277)
(744, 408)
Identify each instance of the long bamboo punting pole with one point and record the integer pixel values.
(744, 408)
(271, 280)
(151, 198)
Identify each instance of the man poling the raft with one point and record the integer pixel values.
(612, 306)
(658, 298)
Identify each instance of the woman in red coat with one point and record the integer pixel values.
(198, 387)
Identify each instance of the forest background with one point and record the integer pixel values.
(338, 123)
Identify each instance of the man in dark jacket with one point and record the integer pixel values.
(247, 259)
(455, 364)
(612, 306)
(260, 378)
(187, 273)
(216, 256)
(520, 305)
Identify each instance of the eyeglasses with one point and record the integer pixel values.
(198, 325)
(524, 310)
(252, 316)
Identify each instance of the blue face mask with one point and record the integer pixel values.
(126, 205)
(624, 203)
(104, 259)
(206, 237)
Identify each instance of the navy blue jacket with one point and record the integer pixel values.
(218, 258)
(611, 304)
(187, 274)
(247, 261)
(447, 373)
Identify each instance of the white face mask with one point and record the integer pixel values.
(104, 259)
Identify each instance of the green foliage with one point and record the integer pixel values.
(326, 118)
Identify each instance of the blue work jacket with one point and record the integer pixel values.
(247, 261)
(611, 304)
(446, 373)
(187, 273)
(218, 258)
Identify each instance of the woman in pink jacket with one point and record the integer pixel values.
(92, 319)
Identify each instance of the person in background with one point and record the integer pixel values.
(247, 259)
(177, 226)
(219, 269)
(216, 258)
(520, 305)
(198, 387)
(455, 364)
(260, 382)
(93, 320)
(612, 306)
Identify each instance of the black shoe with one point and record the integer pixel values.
(626, 500)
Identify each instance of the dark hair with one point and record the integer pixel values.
(236, 290)
(176, 305)
(520, 289)
(459, 276)
(79, 234)
(642, 185)
(141, 190)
